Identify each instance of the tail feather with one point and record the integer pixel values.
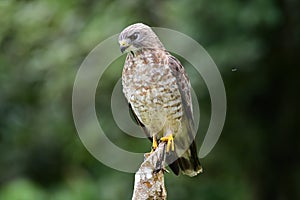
(189, 162)
(175, 167)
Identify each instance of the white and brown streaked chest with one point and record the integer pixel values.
(152, 90)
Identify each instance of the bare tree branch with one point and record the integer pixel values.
(149, 179)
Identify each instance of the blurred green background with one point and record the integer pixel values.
(42, 44)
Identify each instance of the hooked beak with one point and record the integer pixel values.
(123, 45)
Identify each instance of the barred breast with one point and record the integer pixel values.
(152, 91)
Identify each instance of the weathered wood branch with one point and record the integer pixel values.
(149, 179)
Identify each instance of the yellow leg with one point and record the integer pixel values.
(154, 142)
(170, 142)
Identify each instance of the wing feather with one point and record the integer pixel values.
(140, 123)
(188, 162)
(184, 86)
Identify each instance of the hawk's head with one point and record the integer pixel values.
(138, 36)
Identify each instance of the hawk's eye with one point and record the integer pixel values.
(134, 36)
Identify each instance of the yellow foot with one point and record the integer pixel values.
(154, 144)
(170, 142)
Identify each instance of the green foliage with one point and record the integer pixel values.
(42, 44)
(22, 189)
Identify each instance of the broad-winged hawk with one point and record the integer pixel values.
(158, 91)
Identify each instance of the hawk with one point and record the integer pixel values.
(158, 92)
